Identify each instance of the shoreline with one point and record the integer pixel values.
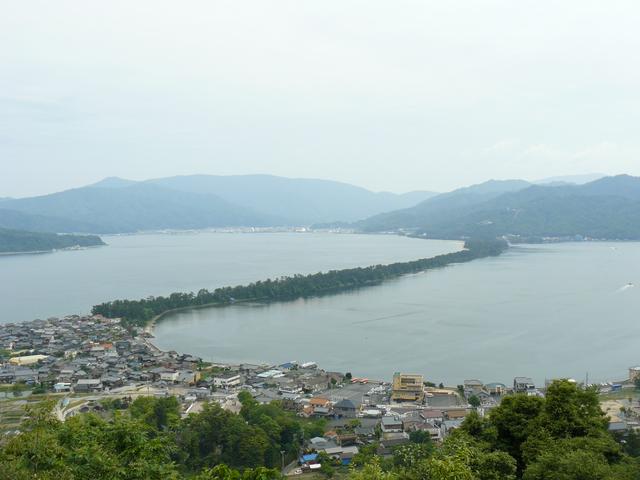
(53, 250)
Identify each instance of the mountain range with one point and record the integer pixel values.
(607, 208)
(564, 207)
(117, 205)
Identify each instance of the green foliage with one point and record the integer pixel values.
(474, 401)
(420, 436)
(314, 428)
(560, 437)
(372, 471)
(223, 472)
(86, 446)
(22, 241)
(606, 209)
(159, 413)
(411, 455)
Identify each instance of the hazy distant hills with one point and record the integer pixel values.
(605, 208)
(116, 205)
(128, 209)
(300, 201)
(18, 241)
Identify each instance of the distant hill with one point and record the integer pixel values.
(130, 208)
(571, 179)
(608, 208)
(438, 208)
(17, 220)
(301, 201)
(116, 205)
(18, 241)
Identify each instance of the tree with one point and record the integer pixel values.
(409, 456)
(372, 471)
(160, 413)
(420, 436)
(474, 401)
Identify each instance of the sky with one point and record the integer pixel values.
(389, 95)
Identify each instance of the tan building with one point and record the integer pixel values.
(407, 388)
(634, 373)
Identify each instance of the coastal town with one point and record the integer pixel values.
(81, 361)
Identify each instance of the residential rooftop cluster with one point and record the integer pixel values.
(86, 354)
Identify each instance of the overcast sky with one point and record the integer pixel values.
(395, 95)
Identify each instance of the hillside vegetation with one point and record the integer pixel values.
(18, 241)
(560, 437)
(608, 208)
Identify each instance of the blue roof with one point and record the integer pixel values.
(309, 457)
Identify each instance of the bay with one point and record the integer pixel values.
(136, 266)
(559, 310)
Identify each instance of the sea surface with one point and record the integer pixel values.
(136, 266)
(559, 310)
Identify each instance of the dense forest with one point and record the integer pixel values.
(139, 312)
(560, 437)
(16, 241)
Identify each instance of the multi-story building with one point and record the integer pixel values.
(407, 388)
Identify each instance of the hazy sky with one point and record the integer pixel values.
(395, 95)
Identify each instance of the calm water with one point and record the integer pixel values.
(56, 284)
(544, 311)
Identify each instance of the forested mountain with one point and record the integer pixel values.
(116, 205)
(608, 208)
(300, 200)
(440, 207)
(15, 241)
(128, 209)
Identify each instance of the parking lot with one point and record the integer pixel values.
(353, 391)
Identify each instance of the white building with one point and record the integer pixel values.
(227, 381)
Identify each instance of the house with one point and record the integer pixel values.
(307, 459)
(345, 408)
(496, 388)
(391, 423)
(407, 388)
(472, 387)
(449, 425)
(169, 376)
(366, 433)
(433, 430)
(320, 443)
(347, 439)
(321, 411)
(344, 454)
(62, 387)
(319, 402)
(392, 440)
(88, 385)
(228, 380)
(456, 413)
(523, 385)
(432, 415)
